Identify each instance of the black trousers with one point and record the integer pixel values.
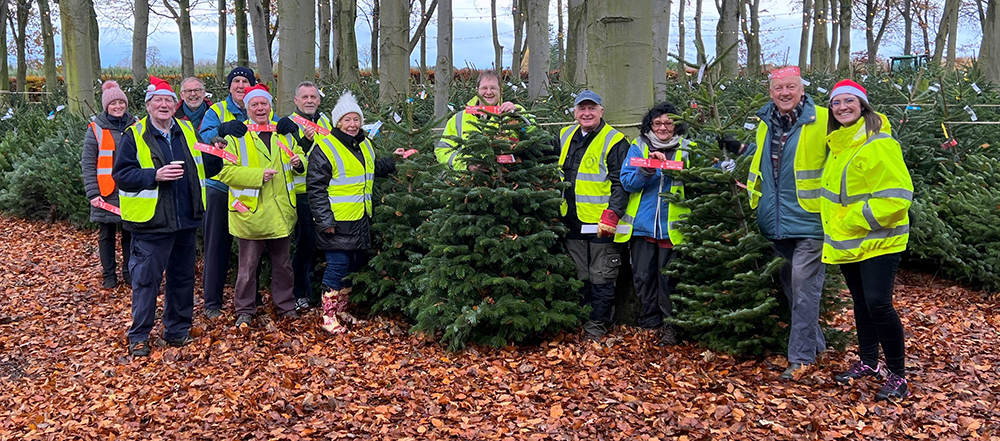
(652, 286)
(106, 246)
(218, 247)
(871, 282)
(305, 248)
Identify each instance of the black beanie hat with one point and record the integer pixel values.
(241, 71)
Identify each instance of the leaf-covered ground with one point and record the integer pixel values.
(65, 374)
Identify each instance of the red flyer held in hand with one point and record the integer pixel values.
(656, 163)
(481, 110)
(286, 149)
(305, 122)
(108, 207)
(215, 151)
(240, 206)
(261, 127)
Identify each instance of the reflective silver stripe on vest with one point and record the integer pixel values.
(568, 134)
(870, 217)
(98, 134)
(851, 244)
(603, 164)
(809, 174)
(348, 180)
(336, 158)
(298, 180)
(250, 192)
(844, 200)
(104, 171)
(593, 199)
(145, 194)
(199, 160)
(355, 198)
(105, 153)
(244, 157)
(458, 124)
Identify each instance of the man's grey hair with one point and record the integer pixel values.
(305, 84)
(188, 79)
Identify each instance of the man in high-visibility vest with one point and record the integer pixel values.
(784, 186)
(193, 104)
(224, 118)
(161, 184)
(590, 157)
(461, 124)
(307, 101)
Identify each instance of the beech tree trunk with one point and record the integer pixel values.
(751, 34)
(74, 16)
(242, 34)
(296, 50)
(95, 43)
(20, 42)
(576, 41)
(444, 68)
(699, 44)
(324, 11)
(908, 27)
(989, 52)
(804, 38)
(834, 13)
(394, 72)
(520, 13)
(727, 36)
(220, 52)
(560, 39)
(497, 48)
(259, 23)
(620, 48)
(844, 55)
(345, 54)
(4, 72)
(376, 26)
(661, 48)
(538, 41)
(681, 31)
(48, 47)
(820, 54)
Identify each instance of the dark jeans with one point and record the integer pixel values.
(597, 266)
(281, 275)
(652, 287)
(175, 254)
(305, 248)
(218, 247)
(106, 246)
(871, 282)
(339, 264)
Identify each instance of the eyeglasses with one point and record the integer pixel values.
(662, 125)
(193, 90)
(846, 101)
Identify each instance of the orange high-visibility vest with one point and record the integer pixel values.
(105, 159)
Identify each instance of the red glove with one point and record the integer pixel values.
(608, 224)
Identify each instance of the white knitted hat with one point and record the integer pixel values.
(346, 104)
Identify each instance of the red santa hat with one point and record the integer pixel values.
(158, 86)
(790, 71)
(848, 86)
(260, 90)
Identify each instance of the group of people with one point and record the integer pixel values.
(829, 186)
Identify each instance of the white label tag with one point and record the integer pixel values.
(805, 82)
(372, 128)
(701, 73)
(972, 113)
(820, 89)
(934, 87)
(749, 126)
(396, 117)
(897, 86)
(588, 229)
(722, 86)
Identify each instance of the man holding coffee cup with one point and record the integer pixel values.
(161, 182)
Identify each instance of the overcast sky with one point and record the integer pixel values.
(473, 43)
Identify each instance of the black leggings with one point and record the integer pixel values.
(871, 282)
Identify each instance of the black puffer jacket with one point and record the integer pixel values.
(88, 164)
(348, 235)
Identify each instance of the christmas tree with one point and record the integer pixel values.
(494, 273)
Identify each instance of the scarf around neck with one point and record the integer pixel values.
(656, 144)
(194, 114)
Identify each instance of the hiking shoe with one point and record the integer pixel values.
(594, 331)
(895, 387)
(178, 342)
(789, 373)
(243, 320)
(139, 348)
(858, 370)
(668, 336)
(302, 304)
(110, 282)
(212, 314)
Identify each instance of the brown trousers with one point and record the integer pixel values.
(282, 280)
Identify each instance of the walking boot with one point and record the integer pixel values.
(330, 322)
(342, 304)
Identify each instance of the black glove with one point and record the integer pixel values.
(286, 126)
(232, 128)
(730, 144)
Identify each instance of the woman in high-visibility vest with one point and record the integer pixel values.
(650, 220)
(99, 143)
(866, 193)
(339, 182)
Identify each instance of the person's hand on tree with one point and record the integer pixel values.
(728, 165)
(731, 145)
(232, 128)
(269, 173)
(608, 224)
(404, 152)
(507, 106)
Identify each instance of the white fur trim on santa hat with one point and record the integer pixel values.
(257, 93)
(848, 89)
(346, 104)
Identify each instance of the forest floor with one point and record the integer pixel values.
(65, 373)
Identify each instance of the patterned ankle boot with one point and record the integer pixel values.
(330, 322)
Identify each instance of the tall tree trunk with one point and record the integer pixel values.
(538, 41)
(661, 48)
(681, 32)
(20, 42)
(345, 54)
(95, 43)
(924, 20)
(376, 28)
(844, 52)
(242, 34)
(187, 42)
(49, 47)
(751, 34)
(497, 48)
(259, 23)
(220, 52)
(394, 73)
(4, 72)
(520, 13)
(620, 47)
(834, 11)
(820, 54)
(953, 37)
(804, 39)
(989, 50)
(560, 38)
(296, 50)
(444, 68)
(727, 36)
(699, 44)
(324, 12)
(576, 41)
(908, 26)
(74, 16)
(423, 44)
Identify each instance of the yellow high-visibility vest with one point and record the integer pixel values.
(140, 206)
(250, 196)
(351, 182)
(300, 181)
(674, 211)
(810, 155)
(592, 187)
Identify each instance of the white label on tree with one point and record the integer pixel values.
(805, 82)
(898, 86)
(934, 87)
(749, 126)
(820, 89)
(208, 94)
(396, 117)
(977, 89)
(722, 86)
(60, 107)
(372, 128)
(909, 87)
(451, 108)
(972, 113)
(701, 73)
(8, 115)
(423, 94)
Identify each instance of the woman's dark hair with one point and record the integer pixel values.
(656, 112)
(873, 122)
